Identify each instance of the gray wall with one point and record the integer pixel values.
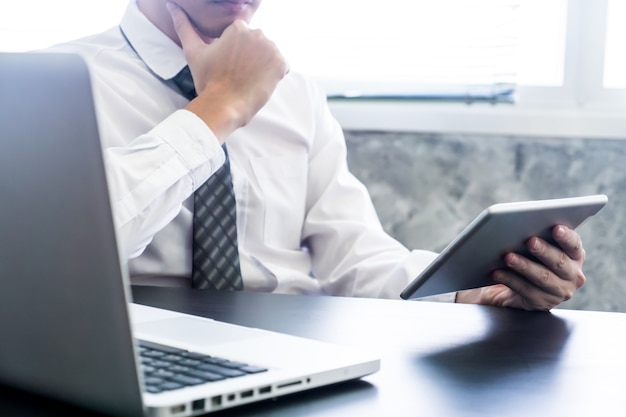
(428, 187)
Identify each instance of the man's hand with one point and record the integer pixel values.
(234, 75)
(536, 286)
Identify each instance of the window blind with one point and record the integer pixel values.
(454, 50)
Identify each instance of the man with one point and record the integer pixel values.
(304, 223)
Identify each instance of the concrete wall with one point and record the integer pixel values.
(428, 187)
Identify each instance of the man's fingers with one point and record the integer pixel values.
(189, 39)
(564, 260)
(570, 242)
(529, 274)
(527, 295)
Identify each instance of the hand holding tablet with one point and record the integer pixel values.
(468, 261)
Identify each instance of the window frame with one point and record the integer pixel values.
(582, 107)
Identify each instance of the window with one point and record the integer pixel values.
(565, 57)
(408, 42)
(566, 85)
(416, 49)
(615, 59)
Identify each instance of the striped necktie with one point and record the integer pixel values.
(215, 258)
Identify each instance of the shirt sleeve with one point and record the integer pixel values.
(150, 177)
(351, 253)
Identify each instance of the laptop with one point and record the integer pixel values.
(70, 330)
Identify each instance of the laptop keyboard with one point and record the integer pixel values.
(166, 368)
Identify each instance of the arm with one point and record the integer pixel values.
(351, 253)
(151, 176)
(536, 286)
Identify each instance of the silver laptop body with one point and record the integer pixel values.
(67, 323)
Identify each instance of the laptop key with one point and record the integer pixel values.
(153, 353)
(159, 364)
(207, 376)
(250, 369)
(179, 369)
(169, 386)
(172, 358)
(186, 380)
(189, 362)
(230, 364)
(163, 373)
(232, 373)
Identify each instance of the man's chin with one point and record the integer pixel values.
(209, 35)
(207, 39)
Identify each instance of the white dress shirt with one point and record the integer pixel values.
(305, 223)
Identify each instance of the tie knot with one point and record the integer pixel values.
(184, 82)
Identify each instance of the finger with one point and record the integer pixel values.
(557, 260)
(242, 23)
(570, 242)
(526, 295)
(530, 273)
(537, 282)
(189, 38)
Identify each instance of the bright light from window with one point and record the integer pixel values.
(409, 42)
(318, 35)
(615, 58)
(339, 38)
(541, 51)
(33, 24)
(353, 38)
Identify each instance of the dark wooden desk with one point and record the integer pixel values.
(437, 359)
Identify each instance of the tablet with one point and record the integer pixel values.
(468, 261)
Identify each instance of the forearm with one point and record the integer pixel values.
(150, 177)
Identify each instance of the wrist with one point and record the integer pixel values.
(472, 296)
(222, 118)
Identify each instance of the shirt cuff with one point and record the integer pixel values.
(197, 146)
(449, 297)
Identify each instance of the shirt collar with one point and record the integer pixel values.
(162, 55)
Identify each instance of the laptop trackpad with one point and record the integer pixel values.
(194, 331)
